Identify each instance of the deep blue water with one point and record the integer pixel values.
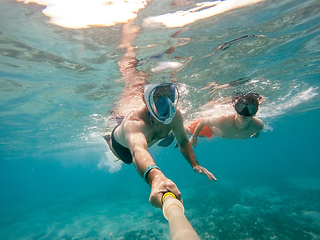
(59, 85)
(266, 188)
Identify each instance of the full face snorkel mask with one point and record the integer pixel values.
(161, 100)
(246, 107)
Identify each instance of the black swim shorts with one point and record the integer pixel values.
(123, 153)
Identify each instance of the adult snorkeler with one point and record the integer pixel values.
(146, 113)
(143, 127)
(239, 125)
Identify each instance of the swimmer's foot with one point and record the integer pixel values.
(107, 137)
(166, 142)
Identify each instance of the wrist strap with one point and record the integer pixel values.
(151, 166)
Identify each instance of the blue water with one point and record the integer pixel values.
(58, 86)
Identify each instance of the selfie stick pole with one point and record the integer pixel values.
(173, 211)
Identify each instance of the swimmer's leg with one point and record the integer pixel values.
(107, 137)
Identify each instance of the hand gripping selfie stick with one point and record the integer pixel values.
(173, 211)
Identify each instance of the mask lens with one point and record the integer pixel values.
(252, 109)
(163, 106)
(167, 90)
(246, 109)
(239, 107)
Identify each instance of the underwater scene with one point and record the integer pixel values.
(67, 69)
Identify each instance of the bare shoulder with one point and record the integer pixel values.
(132, 131)
(217, 121)
(178, 128)
(177, 122)
(178, 116)
(134, 120)
(258, 123)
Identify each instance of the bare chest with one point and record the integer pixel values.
(231, 132)
(156, 133)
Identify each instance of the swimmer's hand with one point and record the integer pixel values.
(204, 171)
(193, 141)
(159, 186)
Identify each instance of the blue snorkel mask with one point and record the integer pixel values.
(161, 100)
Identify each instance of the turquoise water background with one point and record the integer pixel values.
(58, 87)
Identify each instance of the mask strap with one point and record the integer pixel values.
(149, 114)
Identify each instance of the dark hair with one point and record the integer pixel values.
(251, 98)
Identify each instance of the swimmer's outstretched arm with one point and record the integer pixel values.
(142, 160)
(194, 138)
(186, 148)
(201, 124)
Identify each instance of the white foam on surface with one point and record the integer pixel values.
(183, 18)
(288, 102)
(166, 65)
(83, 14)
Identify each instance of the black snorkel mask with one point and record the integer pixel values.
(245, 108)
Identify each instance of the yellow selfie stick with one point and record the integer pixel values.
(173, 211)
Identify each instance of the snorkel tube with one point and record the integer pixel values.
(173, 211)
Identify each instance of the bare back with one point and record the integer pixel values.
(229, 127)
